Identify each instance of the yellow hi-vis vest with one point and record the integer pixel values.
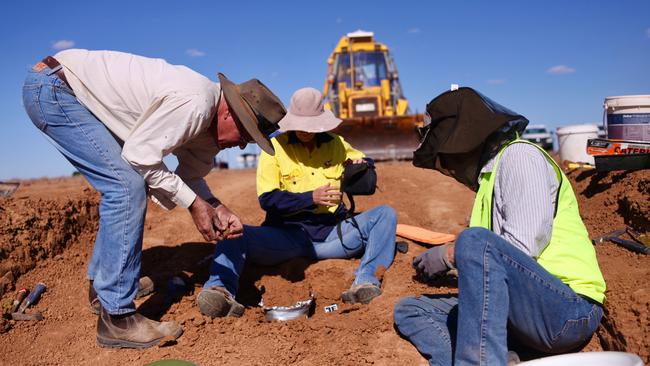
(569, 255)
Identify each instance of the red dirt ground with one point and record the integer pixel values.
(47, 229)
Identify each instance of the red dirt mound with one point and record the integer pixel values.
(608, 202)
(34, 230)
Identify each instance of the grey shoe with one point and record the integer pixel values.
(145, 287)
(513, 358)
(363, 293)
(217, 302)
(133, 331)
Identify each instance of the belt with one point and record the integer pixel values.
(53, 64)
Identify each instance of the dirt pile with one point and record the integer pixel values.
(608, 202)
(34, 230)
(351, 335)
(614, 199)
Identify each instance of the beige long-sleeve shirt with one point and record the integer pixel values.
(156, 109)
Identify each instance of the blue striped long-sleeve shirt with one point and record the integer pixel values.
(524, 198)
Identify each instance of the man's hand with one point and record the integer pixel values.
(434, 261)
(227, 223)
(203, 215)
(327, 195)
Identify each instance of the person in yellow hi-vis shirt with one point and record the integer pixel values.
(299, 190)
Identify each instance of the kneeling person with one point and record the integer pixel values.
(298, 189)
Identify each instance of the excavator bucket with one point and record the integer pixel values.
(382, 138)
(363, 89)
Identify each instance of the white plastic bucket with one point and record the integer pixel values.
(572, 141)
(588, 358)
(627, 117)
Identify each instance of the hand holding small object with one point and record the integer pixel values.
(227, 224)
(327, 195)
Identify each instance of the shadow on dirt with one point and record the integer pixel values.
(292, 270)
(176, 271)
(600, 181)
(165, 265)
(449, 279)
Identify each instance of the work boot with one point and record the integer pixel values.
(145, 287)
(217, 302)
(133, 331)
(363, 293)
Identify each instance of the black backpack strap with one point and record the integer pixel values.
(350, 212)
(339, 232)
(355, 224)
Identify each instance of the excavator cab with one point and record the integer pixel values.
(363, 89)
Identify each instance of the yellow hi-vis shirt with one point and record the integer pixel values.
(295, 169)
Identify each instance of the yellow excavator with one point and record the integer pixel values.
(363, 89)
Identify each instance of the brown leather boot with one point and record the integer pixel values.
(363, 293)
(217, 302)
(145, 287)
(133, 331)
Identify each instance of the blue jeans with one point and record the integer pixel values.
(502, 292)
(91, 148)
(266, 245)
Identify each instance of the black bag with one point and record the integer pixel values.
(358, 179)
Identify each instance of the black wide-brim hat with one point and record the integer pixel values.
(255, 107)
(465, 129)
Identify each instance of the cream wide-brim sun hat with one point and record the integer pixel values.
(307, 113)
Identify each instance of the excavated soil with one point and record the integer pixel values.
(608, 202)
(47, 229)
(33, 229)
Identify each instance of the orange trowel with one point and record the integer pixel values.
(422, 235)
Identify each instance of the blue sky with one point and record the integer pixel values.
(552, 61)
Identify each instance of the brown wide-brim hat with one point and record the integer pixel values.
(255, 107)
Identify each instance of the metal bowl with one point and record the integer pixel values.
(283, 313)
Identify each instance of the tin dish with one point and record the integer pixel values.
(283, 313)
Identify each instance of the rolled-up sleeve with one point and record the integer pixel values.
(525, 195)
(167, 125)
